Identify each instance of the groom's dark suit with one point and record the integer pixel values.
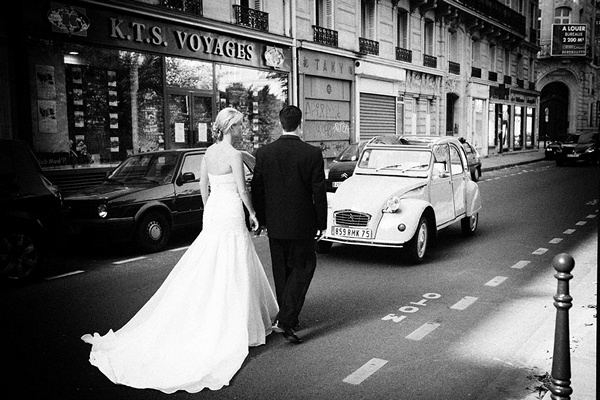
(289, 196)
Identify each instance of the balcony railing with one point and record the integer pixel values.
(475, 72)
(403, 54)
(193, 7)
(368, 46)
(507, 80)
(454, 67)
(520, 83)
(325, 36)
(251, 18)
(429, 61)
(498, 11)
(492, 76)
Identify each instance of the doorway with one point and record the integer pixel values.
(190, 118)
(450, 111)
(554, 113)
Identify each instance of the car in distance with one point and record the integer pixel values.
(342, 167)
(401, 194)
(551, 149)
(146, 198)
(31, 213)
(473, 159)
(579, 147)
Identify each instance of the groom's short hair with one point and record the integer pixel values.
(290, 118)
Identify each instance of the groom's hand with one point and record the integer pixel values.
(320, 234)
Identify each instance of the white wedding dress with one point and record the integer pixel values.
(194, 332)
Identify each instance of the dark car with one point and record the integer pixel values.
(579, 147)
(342, 167)
(145, 199)
(31, 213)
(473, 160)
(551, 149)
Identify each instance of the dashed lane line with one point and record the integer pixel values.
(591, 216)
(365, 371)
(521, 264)
(496, 281)
(129, 260)
(581, 223)
(464, 303)
(555, 240)
(569, 231)
(540, 251)
(49, 278)
(423, 331)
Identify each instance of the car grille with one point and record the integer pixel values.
(83, 210)
(351, 218)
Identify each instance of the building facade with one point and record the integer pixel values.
(569, 68)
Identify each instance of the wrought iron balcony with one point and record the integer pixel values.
(193, 7)
(507, 80)
(251, 18)
(429, 61)
(368, 46)
(325, 36)
(499, 12)
(492, 76)
(403, 54)
(475, 72)
(454, 67)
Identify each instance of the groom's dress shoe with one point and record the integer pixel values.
(290, 335)
(279, 329)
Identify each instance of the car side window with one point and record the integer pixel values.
(440, 160)
(456, 162)
(191, 163)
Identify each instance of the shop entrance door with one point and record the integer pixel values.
(190, 118)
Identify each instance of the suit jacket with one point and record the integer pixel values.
(288, 189)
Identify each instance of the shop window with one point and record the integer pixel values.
(518, 131)
(529, 120)
(184, 73)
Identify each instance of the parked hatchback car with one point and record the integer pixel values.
(473, 159)
(579, 147)
(145, 199)
(32, 216)
(342, 167)
(401, 194)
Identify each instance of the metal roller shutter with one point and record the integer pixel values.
(377, 115)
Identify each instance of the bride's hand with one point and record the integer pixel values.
(254, 225)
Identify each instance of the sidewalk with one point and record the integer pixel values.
(538, 351)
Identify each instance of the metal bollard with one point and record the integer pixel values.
(560, 380)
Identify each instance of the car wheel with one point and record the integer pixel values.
(475, 174)
(153, 232)
(323, 246)
(20, 255)
(415, 248)
(469, 224)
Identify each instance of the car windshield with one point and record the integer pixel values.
(407, 162)
(158, 168)
(350, 153)
(584, 138)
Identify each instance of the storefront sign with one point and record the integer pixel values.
(326, 65)
(71, 20)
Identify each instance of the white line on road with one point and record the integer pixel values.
(423, 331)
(63, 275)
(569, 231)
(464, 303)
(496, 281)
(180, 248)
(581, 223)
(540, 251)
(591, 216)
(365, 371)
(555, 240)
(520, 264)
(129, 260)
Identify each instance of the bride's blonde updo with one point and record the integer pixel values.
(226, 118)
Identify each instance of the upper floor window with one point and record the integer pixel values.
(403, 28)
(476, 50)
(520, 66)
(507, 62)
(453, 50)
(324, 13)
(428, 38)
(367, 10)
(493, 57)
(562, 15)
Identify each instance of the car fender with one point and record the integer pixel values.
(409, 214)
(473, 198)
(18, 218)
(154, 206)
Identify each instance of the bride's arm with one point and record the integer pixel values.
(237, 167)
(203, 181)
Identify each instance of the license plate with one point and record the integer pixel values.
(336, 184)
(359, 233)
(573, 155)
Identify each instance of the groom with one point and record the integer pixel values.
(288, 191)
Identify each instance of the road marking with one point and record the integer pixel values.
(63, 275)
(180, 248)
(520, 264)
(569, 231)
(591, 216)
(365, 371)
(496, 281)
(423, 331)
(581, 223)
(540, 251)
(555, 240)
(129, 260)
(464, 303)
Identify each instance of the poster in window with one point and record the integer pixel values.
(179, 132)
(114, 120)
(77, 97)
(112, 78)
(77, 75)
(47, 116)
(114, 144)
(46, 86)
(112, 98)
(78, 119)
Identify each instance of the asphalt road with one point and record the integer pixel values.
(374, 327)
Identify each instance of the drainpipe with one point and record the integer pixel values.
(294, 86)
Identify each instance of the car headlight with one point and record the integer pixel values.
(102, 211)
(589, 150)
(392, 205)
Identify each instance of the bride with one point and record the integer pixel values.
(194, 332)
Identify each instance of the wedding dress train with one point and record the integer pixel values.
(194, 332)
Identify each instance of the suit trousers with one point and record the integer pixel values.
(294, 263)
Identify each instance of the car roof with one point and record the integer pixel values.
(422, 141)
(171, 151)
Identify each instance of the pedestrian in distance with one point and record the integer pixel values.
(288, 192)
(194, 332)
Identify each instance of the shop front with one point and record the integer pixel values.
(105, 84)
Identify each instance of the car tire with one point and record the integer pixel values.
(469, 224)
(21, 255)
(323, 246)
(475, 174)
(153, 232)
(416, 247)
